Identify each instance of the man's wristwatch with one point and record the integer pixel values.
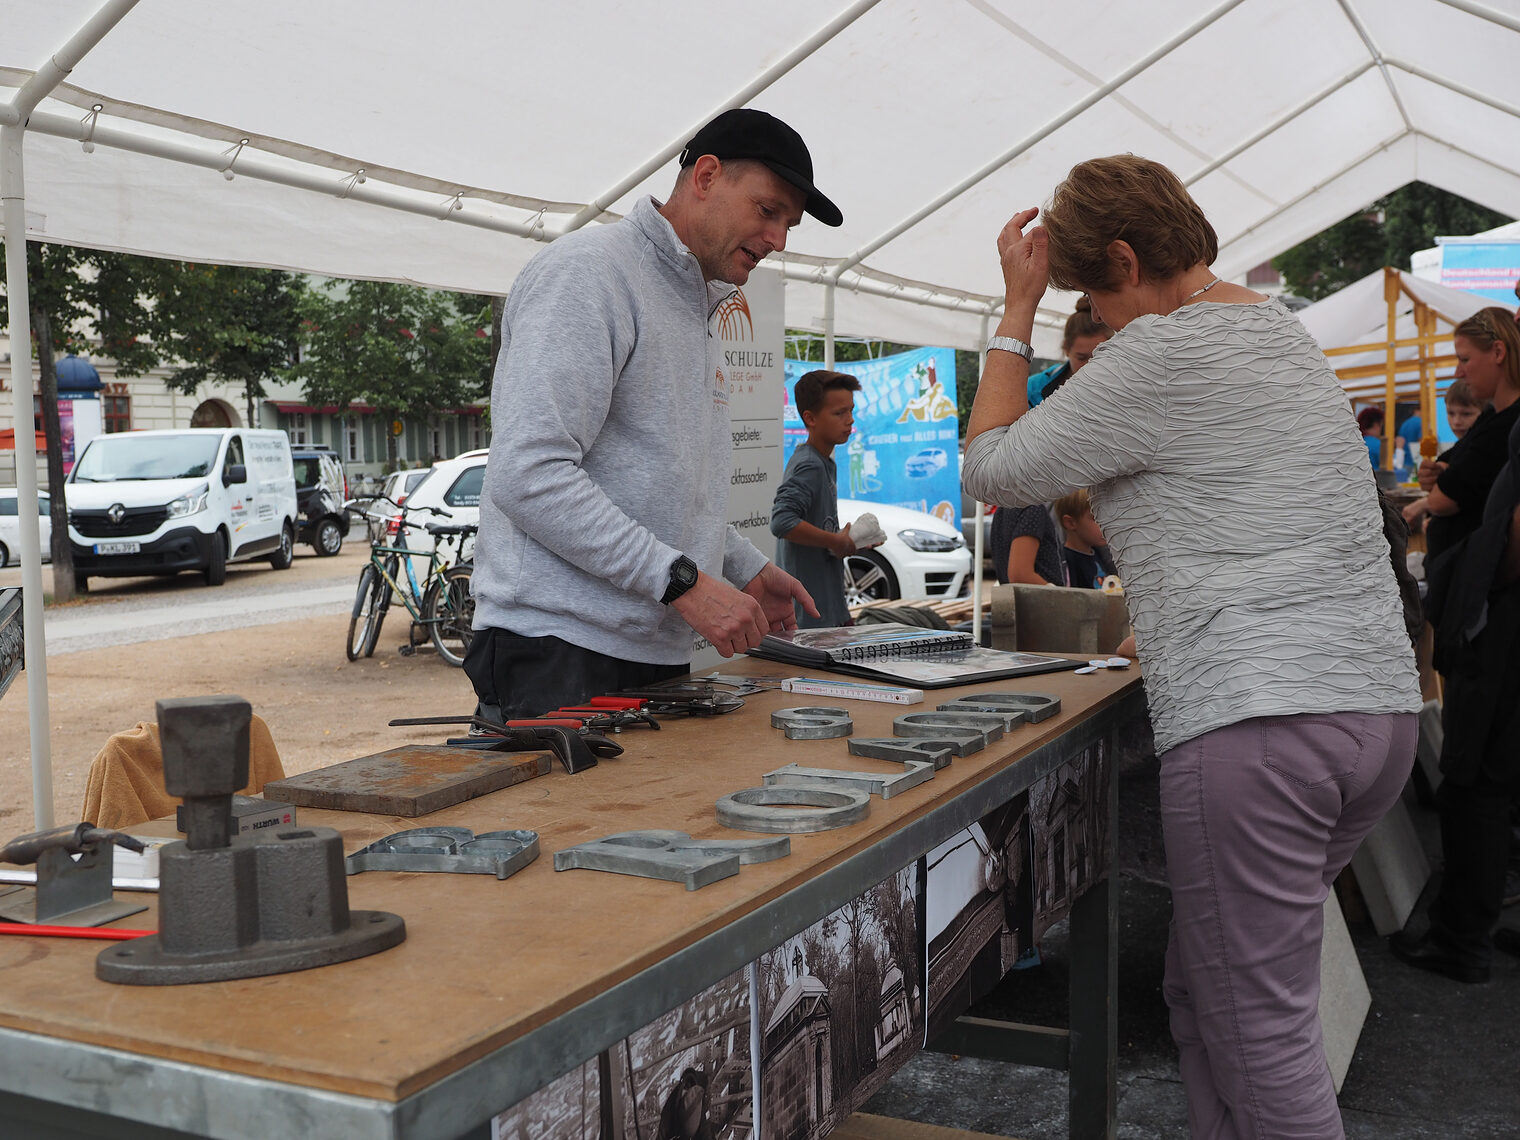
(683, 576)
(1014, 345)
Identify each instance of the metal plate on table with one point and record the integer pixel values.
(409, 781)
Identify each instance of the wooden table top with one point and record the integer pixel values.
(486, 961)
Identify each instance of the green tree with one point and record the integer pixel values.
(404, 350)
(224, 323)
(79, 298)
(1385, 233)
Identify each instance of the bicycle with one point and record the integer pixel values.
(440, 603)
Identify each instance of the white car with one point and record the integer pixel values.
(923, 557)
(379, 515)
(10, 527)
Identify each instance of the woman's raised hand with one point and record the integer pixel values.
(1026, 267)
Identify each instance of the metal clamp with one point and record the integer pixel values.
(812, 723)
(670, 855)
(936, 752)
(70, 891)
(773, 809)
(1035, 706)
(884, 784)
(453, 849)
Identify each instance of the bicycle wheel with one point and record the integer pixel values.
(364, 623)
(449, 611)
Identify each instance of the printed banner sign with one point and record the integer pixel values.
(905, 448)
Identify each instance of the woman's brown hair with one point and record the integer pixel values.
(1492, 324)
(1130, 199)
(1081, 324)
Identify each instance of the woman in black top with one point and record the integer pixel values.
(1487, 346)
(1480, 753)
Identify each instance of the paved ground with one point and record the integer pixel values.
(1436, 1059)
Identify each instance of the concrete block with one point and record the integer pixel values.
(1391, 869)
(1343, 995)
(1057, 619)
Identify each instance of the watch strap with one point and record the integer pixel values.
(683, 576)
(1014, 345)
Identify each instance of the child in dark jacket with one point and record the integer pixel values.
(805, 514)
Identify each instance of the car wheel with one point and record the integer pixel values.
(81, 583)
(868, 578)
(286, 554)
(329, 538)
(5, 556)
(216, 569)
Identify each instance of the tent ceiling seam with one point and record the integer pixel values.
(761, 82)
(1465, 153)
(1283, 120)
(987, 170)
(1365, 157)
(1377, 55)
(1052, 53)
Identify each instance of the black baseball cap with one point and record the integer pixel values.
(746, 133)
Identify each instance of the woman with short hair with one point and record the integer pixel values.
(1229, 477)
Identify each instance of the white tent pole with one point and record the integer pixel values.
(249, 165)
(1281, 121)
(1459, 88)
(13, 118)
(828, 325)
(977, 551)
(1377, 58)
(1483, 12)
(12, 191)
(1049, 128)
(63, 61)
(807, 47)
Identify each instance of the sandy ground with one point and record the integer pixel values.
(320, 707)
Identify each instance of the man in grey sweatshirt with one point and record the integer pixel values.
(604, 539)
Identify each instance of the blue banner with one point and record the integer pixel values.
(1488, 268)
(905, 448)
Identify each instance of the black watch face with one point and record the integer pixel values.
(684, 573)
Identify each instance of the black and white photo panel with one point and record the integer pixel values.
(979, 900)
(1069, 829)
(688, 1075)
(569, 1108)
(839, 1008)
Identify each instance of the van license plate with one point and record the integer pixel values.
(118, 547)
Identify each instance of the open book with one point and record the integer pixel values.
(925, 658)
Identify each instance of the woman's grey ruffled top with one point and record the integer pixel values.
(1229, 477)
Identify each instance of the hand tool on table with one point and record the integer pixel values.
(70, 891)
(684, 698)
(107, 933)
(576, 748)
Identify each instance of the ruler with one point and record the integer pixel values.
(852, 690)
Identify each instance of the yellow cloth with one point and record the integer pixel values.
(126, 784)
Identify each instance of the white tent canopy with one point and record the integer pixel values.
(442, 143)
(1358, 315)
(1284, 116)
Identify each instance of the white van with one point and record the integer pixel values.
(158, 502)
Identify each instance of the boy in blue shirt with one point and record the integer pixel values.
(805, 514)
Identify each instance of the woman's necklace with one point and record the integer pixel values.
(1198, 292)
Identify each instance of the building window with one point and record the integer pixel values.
(117, 413)
(298, 429)
(351, 439)
(477, 433)
(435, 439)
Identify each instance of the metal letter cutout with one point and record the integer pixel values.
(773, 809)
(670, 855)
(811, 723)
